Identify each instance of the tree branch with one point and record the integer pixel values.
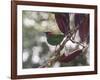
(53, 58)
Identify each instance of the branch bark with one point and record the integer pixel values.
(53, 58)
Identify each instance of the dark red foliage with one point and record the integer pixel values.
(82, 20)
(71, 56)
(62, 20)
(78, 18)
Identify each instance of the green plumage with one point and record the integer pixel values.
(54, 39)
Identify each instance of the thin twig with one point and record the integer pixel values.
(77, 43)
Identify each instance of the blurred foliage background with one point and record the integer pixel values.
(36, 49)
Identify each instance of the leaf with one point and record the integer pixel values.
(71, 56)
(78, 19)
(62, 20)
(54, 39)
(83, 21)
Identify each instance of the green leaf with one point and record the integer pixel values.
(54, 39)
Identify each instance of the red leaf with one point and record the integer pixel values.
(84, 29)
(83, 21)
(78, 19)
(62, 20)
(71, 56)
